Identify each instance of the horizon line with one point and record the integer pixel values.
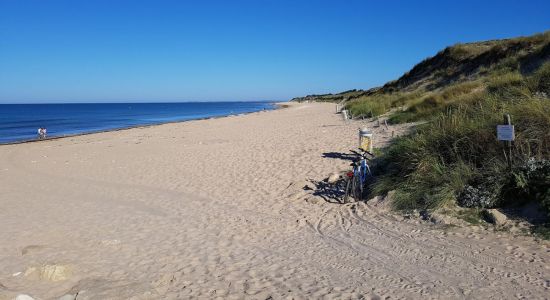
(144, 102)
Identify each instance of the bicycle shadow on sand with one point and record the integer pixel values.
(339, 155)
(330, 192)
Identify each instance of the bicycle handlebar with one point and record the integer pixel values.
(362, 154)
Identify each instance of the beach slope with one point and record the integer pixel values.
(237, 208)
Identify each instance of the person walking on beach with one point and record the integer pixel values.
(42, 133)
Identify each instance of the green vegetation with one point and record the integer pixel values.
(456, 157)
(542, 232)
(351, 94)
(461, 95)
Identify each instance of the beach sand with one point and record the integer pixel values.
(233, 208)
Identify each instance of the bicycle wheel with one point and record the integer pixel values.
(365, 174)
(348, 190)
(358, 188)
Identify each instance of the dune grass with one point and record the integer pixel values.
(459, 96)
(456, 156)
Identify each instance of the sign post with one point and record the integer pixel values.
(506, 133)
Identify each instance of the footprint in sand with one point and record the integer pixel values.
(31, 249)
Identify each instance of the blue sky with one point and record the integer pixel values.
(120, 51)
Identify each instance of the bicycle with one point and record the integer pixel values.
(357, 177)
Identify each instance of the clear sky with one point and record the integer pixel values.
(120, 51)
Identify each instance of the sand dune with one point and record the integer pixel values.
(217, 209)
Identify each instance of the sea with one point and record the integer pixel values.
(20, 122)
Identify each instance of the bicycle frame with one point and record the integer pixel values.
(357, 178)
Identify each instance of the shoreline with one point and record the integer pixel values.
(276, 106)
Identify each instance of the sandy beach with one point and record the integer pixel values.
(233, 208)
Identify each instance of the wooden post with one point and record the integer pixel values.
(508, 121)
(386, 123)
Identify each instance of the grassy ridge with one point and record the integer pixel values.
(461, 95)
(455, 157)
(347, 95)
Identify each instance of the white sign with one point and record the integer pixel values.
(505, 132)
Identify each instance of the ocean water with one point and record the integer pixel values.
(20, 122)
